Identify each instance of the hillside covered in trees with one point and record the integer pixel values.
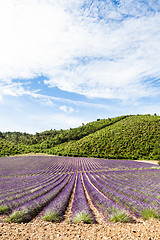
(124, 137)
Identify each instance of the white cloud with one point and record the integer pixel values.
(78, 51)
(11, 89)
(66, 109)
(46, 101)
(55, 101)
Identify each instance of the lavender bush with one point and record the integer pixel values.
(81, 211)
(55, 210)
(27, 211)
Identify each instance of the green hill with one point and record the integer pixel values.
(125, 137)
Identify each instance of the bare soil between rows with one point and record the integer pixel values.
(45, 230)
(148, 161)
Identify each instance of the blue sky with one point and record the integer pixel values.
(68, 62)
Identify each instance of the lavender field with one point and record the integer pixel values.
(46, 186)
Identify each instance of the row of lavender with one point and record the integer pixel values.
(137, 199)
(20, 173)
(48, 190)
(30, 181)
(39, 165)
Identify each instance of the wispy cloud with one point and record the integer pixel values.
(11, 89)
(66, 109)
(77, 46)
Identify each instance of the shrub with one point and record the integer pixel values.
(119, 216)
(52, 217)
(148, 213)
(4, 209)
(17, 216)
(82, 217)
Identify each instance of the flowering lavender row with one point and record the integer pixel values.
(90, 165)
(18, 184)
(19, 187)
(33, 165)
(30, 209)
(9, 205)
(55, 210)
(147, 179)
(150, 176)
(147, 185)
(38, 181)
(37, 165)
(17, 195)
(104, 205)
(134, 206)
(80, 205)
(27, 192)
(127, 192)
(135, 182)
(122, 164)
(26, 165)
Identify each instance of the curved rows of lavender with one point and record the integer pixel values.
(48, 187)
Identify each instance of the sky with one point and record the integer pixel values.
(68, 62)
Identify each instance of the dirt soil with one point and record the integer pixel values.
(38, 230)
(148, 161)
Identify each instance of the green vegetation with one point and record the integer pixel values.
(52, 217)
(119, 216)
(3, 209)
(83, 217)
(125, 137)
(17, 216)
(149, 213)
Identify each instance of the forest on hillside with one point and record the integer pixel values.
(124, 137)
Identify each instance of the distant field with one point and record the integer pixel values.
(55, 188)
